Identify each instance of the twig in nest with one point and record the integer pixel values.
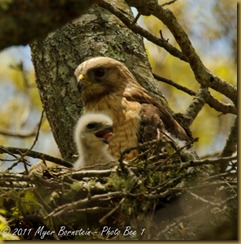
(103, 219)
(80, 174)
(195, 163)
(77, 204)
(174, 154)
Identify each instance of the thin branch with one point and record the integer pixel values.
(231, 143)
(34, 154)
(169, 3)
(220, 106)
(5, 150)
(139, 30)
(136, 18)
(38, 130)
(211, 203)
(77, 204)
(15, 181)
(202, 74)
(22, 158)
(174, 84)
(103, 219)
(80, 174)
(20, 134)
(201, 199)
(210, 100)
(173, 155)
(221, 176)
(195, 163)
(34, 132)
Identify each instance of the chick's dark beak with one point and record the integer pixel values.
(105, 134)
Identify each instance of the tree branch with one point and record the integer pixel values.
(38, 130)
(174, 84)
(80, 174)
(15, 181)
(231, 143)
(210, 100)
(220, 106)
(20, 134)
(34, 154)
(43, 16)
(161, 42)
(195, 107)
(168, 3)
(202, 74)
(196, 163)
(82, 202)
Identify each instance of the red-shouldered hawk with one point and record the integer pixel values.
(107, 86)
(92, 134)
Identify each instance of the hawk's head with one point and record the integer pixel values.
(100, 76)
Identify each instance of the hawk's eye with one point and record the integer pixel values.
(91, 125)
(99, 72)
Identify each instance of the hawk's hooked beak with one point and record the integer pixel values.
(105, 134)
(81, 81)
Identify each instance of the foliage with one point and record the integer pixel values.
(5, 233)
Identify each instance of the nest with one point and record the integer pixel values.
(169, 195)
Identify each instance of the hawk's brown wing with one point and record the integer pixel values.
(154, 116)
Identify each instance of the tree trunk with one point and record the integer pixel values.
(96, 33)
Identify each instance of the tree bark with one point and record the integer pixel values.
(96, 33)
